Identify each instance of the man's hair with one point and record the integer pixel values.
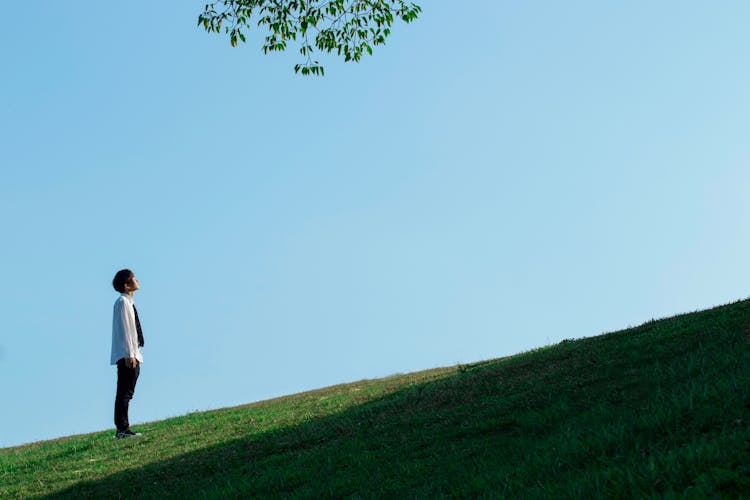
(122, 277)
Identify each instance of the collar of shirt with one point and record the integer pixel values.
(127, 298)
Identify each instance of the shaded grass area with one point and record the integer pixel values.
(658, 410)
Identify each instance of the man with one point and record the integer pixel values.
(127, 340)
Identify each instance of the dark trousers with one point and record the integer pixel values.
(126, 379)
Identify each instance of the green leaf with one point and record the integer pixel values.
(348, 28)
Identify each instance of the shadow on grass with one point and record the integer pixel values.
(386, 446)
(583, 418)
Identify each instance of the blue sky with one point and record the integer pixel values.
(495, 179)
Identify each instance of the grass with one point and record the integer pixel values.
(660, 410)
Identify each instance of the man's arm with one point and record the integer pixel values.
(129, 335)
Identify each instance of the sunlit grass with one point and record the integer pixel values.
(661, 409)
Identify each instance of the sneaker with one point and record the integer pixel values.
(126, 434)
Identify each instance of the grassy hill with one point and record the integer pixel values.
(657, 410)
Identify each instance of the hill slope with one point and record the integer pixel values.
(658, 409)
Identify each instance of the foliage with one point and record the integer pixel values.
(348, 27)
(657, 411)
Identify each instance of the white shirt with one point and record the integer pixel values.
(124, 333)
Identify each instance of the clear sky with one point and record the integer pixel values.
(501, 176)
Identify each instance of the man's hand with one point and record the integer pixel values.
(130, 362)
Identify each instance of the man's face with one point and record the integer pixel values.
(132, 284)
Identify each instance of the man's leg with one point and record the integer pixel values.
(126, 380)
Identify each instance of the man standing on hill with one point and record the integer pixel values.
(127, 340)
